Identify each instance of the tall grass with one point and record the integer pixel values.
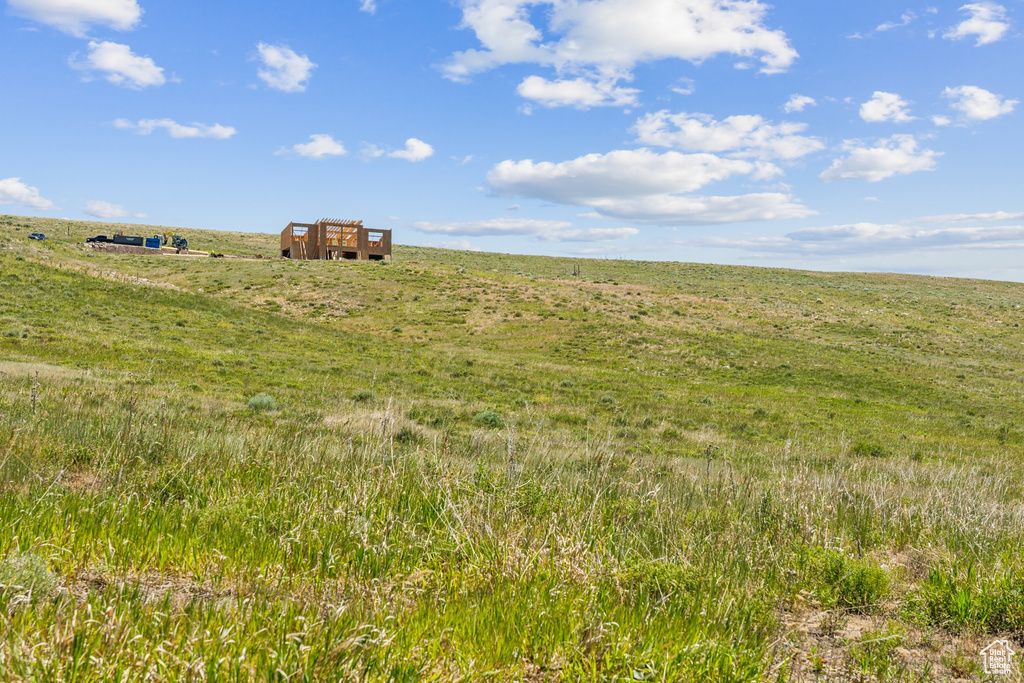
(201, 485)
(320, 551)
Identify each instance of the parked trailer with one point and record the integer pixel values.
(128, 240)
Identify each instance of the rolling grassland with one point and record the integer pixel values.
(471, 466)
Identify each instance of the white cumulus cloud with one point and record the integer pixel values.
(986, 20)
(905, 20)
(978, 104)
(897, 155)
(742, 136)
(13, 191)
(101, 209)
(575, 92)
(588, 235)
(493, 227)
(871, 238)
(458, 245)
(799, 103)
(368, 6)
(886, 106)
(973, 217)
(604, 40)
(540, 230)
(320, 146)
(644, 186)
(76, 16)
(177, 130)
(282, 69)
(684, 86)
(666, 209)
(120, 65)
(620, 174)
(415, 150)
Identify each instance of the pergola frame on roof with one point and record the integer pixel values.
(334, 239)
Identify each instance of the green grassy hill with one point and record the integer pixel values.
(469, 465)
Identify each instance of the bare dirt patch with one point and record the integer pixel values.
(42, 370)
(124, 249)
(834, 646)
(153, 587)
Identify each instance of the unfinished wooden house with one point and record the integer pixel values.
(332, 239)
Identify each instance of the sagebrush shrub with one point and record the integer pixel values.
(850, 583)
(262, 403)
(488, 418)
(869, 449)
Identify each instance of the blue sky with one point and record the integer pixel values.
(848, 135)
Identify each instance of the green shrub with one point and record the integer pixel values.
(848, 582)
(1003, 434)
(869, 449)
(262, 403)
(488, 418)
(364, 396)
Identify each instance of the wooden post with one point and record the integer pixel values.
(362, 244)
(321, 241)
(286, 239)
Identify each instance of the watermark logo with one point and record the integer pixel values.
(998, 658)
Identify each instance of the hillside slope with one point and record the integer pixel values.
(461, 463)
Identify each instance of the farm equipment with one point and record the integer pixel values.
(176, 241)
